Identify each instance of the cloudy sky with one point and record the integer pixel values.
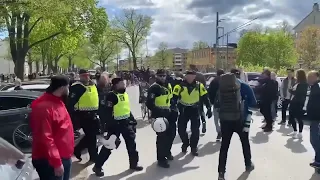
(182, 22)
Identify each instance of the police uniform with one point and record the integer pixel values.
(188, 97)
(83, 105)
(159, 103)
(120, 121)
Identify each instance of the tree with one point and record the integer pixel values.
(20, 18)
(274, 49)
(199, 45)
(105, 49)
(133, 29)
(251, 49)
(163, 57)
(308, 46)
(280, 50)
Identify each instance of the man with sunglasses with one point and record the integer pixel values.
(83, 104)
(159, 103)
(189, 95)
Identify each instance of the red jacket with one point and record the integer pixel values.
(52, 130)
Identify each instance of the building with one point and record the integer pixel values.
(179, 59)
(7, 65)
(205, 60)
(313, 18)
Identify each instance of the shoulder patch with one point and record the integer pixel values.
(203, 89)
(176, 90)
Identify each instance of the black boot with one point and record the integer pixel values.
(163, 164)
(136, 167)
(184, 149)
(98, 171)
(194, 151)
(204, 127)
(170, 157)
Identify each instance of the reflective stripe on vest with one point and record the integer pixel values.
(89, 101)
(121, 110)
(189, 99)
(164, 101)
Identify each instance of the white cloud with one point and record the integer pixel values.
(181, 22)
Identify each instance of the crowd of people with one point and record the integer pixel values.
(102, 110)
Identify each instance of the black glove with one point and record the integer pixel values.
(209, 113)
(140, 100)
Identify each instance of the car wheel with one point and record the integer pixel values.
(22, 138)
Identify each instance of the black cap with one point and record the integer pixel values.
(57, 82)
(191, 72)
(161, 72)
(115, 81)
(83, 71)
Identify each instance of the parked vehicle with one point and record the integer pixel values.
(33, 87)
(14, 123)
(17, 170)
(6, 86)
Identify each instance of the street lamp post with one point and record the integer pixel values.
(218, 20)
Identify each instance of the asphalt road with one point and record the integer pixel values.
(275, 155)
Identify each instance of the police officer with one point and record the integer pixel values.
(83, 105)
(120, 121)
(158, 102)
(188, 95)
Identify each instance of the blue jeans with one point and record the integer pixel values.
(315, 139)
(46, 171)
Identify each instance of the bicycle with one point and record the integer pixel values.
(22, 138)
(144, 110)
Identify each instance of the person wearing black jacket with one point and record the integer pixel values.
(83, 104)
(103, 87)
(121, 122)
(213, 89)
(268, 90)
(298, 97)
(158, 102)
(313, 115)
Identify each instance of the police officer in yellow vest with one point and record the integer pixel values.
(188, 95)
(121, 121)
(159, 103)
(83, 104)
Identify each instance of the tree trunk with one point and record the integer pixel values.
(103, 68)
(37, 66)
(30, 67)
(19, 68)
(134, 59)
(69, 63)
(44, 66)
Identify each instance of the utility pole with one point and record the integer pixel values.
(227, 50)
(217, 42)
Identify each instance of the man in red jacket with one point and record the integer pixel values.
(52, 131)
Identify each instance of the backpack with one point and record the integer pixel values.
(229, 98)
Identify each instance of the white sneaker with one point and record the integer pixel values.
(293, 134)
(299, 136)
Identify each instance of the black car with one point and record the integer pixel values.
(14, 111)
(6, 86)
